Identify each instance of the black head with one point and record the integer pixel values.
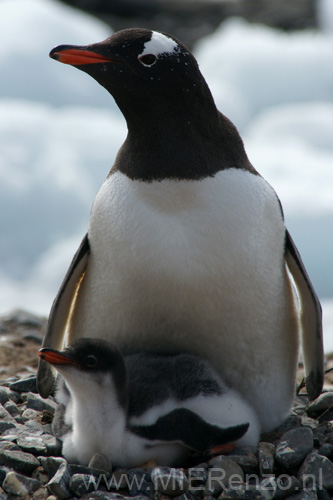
(94, 358)
(175, 129)
(136, 64)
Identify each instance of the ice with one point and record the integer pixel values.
(52, 162)
(60, 132)
(260, 67)
(29, 29)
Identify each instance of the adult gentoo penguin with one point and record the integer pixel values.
(145, 406)
(186, 249)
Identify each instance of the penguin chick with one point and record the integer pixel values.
(141, 407)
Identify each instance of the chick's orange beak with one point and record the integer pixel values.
(55, 357)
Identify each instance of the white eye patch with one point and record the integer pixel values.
(159, 44)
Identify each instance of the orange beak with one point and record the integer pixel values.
(77, 57)
(55, 357)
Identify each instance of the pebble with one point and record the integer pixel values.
(59, 484)
(12, 409)
(53, 445)
(30, 457)
(37, 403)
(81, 484)
(316, 471)
(247, 461)
(320, 405)
(169, 481)
(100, 462)
(28, 384)
(266, 457)
(243, 492)
(222, 474)
(294, 446)
(4, 394)
(16, 484)
(18, 460)
(32, 444)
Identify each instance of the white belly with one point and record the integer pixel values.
(195, 266)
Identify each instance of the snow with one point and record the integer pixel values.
(60, 132)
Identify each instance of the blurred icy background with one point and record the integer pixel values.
(60, 131)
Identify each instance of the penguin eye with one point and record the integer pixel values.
(148, 59)
(90, 361)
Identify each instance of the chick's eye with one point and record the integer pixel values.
(148, 59)
(91, 361)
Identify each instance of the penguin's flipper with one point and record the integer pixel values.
(311, 321)
(184, 426)
(59, 315)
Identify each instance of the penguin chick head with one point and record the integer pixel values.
(89, 366)
(145, 71)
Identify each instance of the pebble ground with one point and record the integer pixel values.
(294, 462)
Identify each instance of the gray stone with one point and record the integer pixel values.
(3, 473)
(284, 486)
(243, 492)
(12, 409)
(106, 495)
(30, 414)
(51, 464)
(83, 469)
(59, 484)
(186, 496)
(316, 471)
(41, 475)
(10, 434)
(290, 423)
(294, 446)
(34, 426)
(19, 460)
(225, 473)
(5, 416)
(53, 445)
(41, 494)
(80, 484)
(5, 382)
(15, 396)
(19, 485)
(4, 395)
(34, 336)
(140, 482)
(9, 445)
(320, 405)
(32, 444)
(266, 457)
(247, 461)
(36, 402)
(119, 480)
(28, 384)
(23, 318)
(169, 481)
(100, 462)
(197, 477)
(327, 450)
(4, 426)
(304, 495)
(309, 422)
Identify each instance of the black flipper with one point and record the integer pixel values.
(60, 314)
(185, 426)
(311, 321)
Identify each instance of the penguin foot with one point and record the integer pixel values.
(223, 449)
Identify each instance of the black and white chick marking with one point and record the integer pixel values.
(187, 249)
(145, 406)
